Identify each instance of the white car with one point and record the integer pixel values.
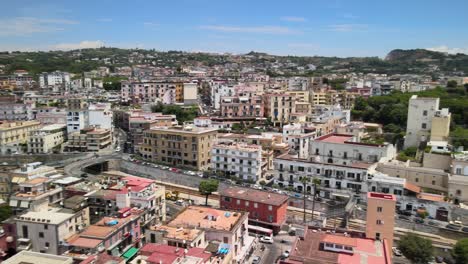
(266, 239)
(285, 254)
(396, 252)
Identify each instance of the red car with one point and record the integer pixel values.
(174, 170)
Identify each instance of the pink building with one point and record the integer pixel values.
(148, 92)
(242, 106)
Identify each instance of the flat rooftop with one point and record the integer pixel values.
(207, 218)
(51, 216)
(185, 130)
(27, 257)
(187, 234)
(381, 196)
(310, 249)
(255, 195)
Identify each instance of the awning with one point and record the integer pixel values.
(18, 179)
(130, 253)
(14, 203)
(412, 187)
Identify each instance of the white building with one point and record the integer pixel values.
(218, 90)
(54, 79)
(76, 120)
(45, 139)
(343, 149)
(35, 257)
(202, 121)
(334, 178)
(299, 138)
(422, 112)
(240, 160)
(15, 111)
(100, 115)
(190, 93)
(46, 230)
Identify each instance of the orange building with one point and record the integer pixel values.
(381, 217)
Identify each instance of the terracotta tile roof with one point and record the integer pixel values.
(198, 216)
(412, 187)
(430, 197)
(83, 242)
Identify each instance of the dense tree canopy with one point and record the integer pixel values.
(207, 187)
(182, 114)
(460, 251)
(415, 248)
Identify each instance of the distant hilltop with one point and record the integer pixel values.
(422, 55)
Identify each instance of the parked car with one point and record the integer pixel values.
(433, 223)
(453, 227)
(396, 252)
(266, 239)
(406, 212)
(164, 167)
(155, 166)
(200, 174)
(285, 254)
(404, 217)
(175, 170)
(465, 229)
(256, 260)
(180, 202)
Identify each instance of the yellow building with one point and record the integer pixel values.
(440, 128)
(279, 107)
(179, 146)
(15, 134)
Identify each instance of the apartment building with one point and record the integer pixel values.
(100, 115)
(227, 227)
(77, 116)
(380, 217)
(425, 117)
(266, 209)
(149, 92)
(220, 89)
(242, 106)
(114, 235)
(279, 107)
(299, 137)
(179, 146)
(237, 159)
(46, 231)
(334, 178)
(50, 115)
(54, 79)
(177, 237)
(268, 141)
(343, 149)
(13, 111)
(47, 138)
(90, 139)
(458, 180)
(15, 134)
(35, 194)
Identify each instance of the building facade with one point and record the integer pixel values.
(15, 134)
(239, 160)
(46, 139)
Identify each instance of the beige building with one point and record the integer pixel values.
(89, 139)
(14, 134)
(279, 107)
(440, 128)
(435, 179)
(380, 219)
(37, 258)
(45, 139)
(179, 146)
(458, 180)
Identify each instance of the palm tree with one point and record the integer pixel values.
(315, 182)
(304, 181)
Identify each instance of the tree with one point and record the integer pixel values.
(304, 181)
(452, 84)
(415, 248)
(460, 251)
(207, 187)
(315, 182)
(5, 212)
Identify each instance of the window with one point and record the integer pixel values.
(225, 240)
(47, 244)
(425, 113)
(423, 125)
(25, 232)
(46, 227)
(255, 205)
(433, 183)
(41, 234)
(270, 208)
(379, 209)
(416, 180)
(458, 192)
(270, 218)
(227, 199)
(379, 222)
(348, 248)
(246, 203)
(238, 202)
(458, 171)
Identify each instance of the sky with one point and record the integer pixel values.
(341, 28)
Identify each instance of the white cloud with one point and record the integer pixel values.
(105, 20)
(86, 44)
(259, 29)
(22, 26)
(448, 50)
(348, 27)
(293, 19)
